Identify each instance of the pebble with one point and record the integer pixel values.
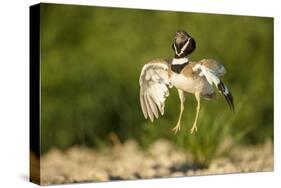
(128, 161)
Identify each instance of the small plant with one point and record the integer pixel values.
(206, 143)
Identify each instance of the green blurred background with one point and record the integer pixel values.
(91, 61)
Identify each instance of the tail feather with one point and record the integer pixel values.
(226, 93)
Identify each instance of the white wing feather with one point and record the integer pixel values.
(211, 75)
(153, 89)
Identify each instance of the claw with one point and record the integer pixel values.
(194, 128)
(176, 128)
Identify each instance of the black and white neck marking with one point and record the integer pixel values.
(179, 61)
(178, 64)
(182, 49)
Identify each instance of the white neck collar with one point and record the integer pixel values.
(179, 61)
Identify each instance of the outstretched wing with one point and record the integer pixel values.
(153, 82)
(211, 70)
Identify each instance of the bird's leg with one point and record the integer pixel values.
(194, 127)
(182, 99)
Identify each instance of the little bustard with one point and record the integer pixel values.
(197, 78)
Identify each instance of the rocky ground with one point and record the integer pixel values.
(128, 161)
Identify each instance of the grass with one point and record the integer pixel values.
(206, 142)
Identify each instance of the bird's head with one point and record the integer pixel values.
(183, 44)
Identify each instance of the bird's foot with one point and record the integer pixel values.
(176, 128)
(194, 128)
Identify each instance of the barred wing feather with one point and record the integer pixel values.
(153, 88)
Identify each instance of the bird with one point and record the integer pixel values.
(199, 78)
